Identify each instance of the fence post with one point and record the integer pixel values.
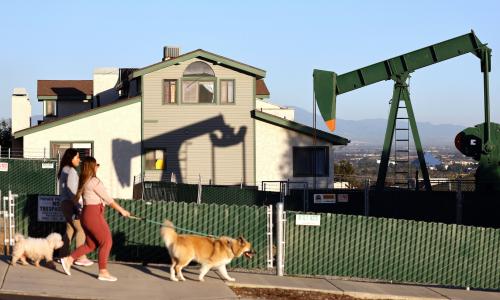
(11, 223)
(9, 152)
(270, 236)
(367, 197)
(459, 201)
(280, 253)
(198, 199)
(5, 216)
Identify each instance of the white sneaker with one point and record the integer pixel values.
(107, 278)
(66, 266)
(83, 262)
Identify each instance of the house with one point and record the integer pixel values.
(196, 116)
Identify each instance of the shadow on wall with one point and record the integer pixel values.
(70, 92)
(220, 134)
(122, 153)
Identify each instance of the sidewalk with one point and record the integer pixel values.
(152, 282)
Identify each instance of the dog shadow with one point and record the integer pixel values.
(190, 274)
(43, 264)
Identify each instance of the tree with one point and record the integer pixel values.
(5, 134)
(345, 171)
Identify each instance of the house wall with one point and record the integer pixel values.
(116, 138)
(274, 154)
(275, 110)
(188, 131)
(69, 107)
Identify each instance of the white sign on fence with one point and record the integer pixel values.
(308, 220)
(324, 198)
(4, 167)
(343, 197)
(47, 165)
(49, 209)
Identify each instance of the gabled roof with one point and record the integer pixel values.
(333, 139)
(64, 89)
(200, 53)
(261, 88)
(77, 116)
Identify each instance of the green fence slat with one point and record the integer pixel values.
(396, 250)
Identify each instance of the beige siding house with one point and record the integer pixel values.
(197, 116)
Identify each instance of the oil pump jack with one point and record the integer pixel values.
(481, 142)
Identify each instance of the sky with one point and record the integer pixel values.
(288, 39)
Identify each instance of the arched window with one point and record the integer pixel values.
(199, 68)
(198, 84)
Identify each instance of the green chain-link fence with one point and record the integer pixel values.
(31, 176)
(181, 192)
(396, 250)
(140, 241)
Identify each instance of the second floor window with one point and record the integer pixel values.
(169, 91)
(198, 91)
(50, 109)
(226, 91)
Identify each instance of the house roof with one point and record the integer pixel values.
(66, 89)
(300, 128)
(200, 53)
(261, 88)
(76, 116)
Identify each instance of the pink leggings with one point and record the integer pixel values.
(97, 234)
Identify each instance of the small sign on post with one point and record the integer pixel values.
(49, 209)
(308, 220)
(324, 198)
(47, 165)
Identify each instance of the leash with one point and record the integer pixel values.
(175, 227)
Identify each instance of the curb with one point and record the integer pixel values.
(359, 295)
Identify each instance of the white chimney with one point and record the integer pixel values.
(104, 82)
(21, 110)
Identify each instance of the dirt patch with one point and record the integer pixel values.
(283, 294)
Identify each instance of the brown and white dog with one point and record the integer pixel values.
(36, 249)
(209, 252)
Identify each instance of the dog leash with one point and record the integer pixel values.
(175, 227)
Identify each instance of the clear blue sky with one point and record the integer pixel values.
(68, 39)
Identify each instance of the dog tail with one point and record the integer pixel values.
(168, 233)
(18, 237)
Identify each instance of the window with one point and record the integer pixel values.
(198, 84)
(199, 68)
(198, 91)
(58, 148)
(226, 91)
(155, 159)
(50, 108)
(169, 91)
(310, 162)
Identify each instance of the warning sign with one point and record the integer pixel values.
(4, 167)
(49, 209)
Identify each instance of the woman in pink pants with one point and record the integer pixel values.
(97, 232)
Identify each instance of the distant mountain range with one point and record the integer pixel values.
(371, 132)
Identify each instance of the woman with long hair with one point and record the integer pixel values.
(68, 186)
(97, 231)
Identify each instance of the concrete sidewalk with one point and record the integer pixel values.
(152, 282)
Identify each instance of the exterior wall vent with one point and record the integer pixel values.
(170, 52)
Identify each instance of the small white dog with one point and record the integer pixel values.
(36, 249)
